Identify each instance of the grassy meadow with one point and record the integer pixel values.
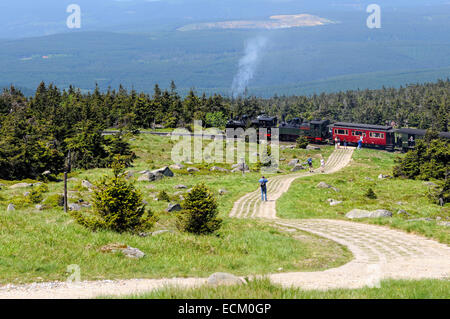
(305, 200)
(264, 289)
(38, 245)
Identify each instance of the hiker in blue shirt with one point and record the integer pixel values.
(310, 163)
(263, 181)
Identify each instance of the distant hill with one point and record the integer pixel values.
(410, 47)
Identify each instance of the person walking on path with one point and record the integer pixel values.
(322, 165)
(263, 183)
(345, 143)
(336, 142)
(310, 163)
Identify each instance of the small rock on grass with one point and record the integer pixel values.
(226, 279)
(87, 184)
(126, 250)
(11, 208)
(335, 202)
(173, 208)
(360, 213)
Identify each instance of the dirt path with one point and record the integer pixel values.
(379, 252)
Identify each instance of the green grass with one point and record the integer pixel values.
(39, 245)
(305, 200)
(264, 289)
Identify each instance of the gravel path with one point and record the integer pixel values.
(379, 252)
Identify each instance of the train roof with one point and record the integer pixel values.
(265, 118)
(319, 122)
(362, 126)
(415, 131)
(411, 131)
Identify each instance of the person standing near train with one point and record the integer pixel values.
(360, 142)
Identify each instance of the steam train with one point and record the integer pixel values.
(323, 132)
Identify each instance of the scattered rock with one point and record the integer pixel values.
(380, 213)
(177, 166)
(26, 194)
(150, 186)
(357, 213)
(446, 224)
(11, 208)
(147, 177)
(222, 191)
(134, 253)
(403, 212)
(369, 179)
(282, 159)
(128, 251)
(323, 185)
(73, 179)
(144, 172)
(218, 169)
(86, 184)
(293, 162)
(180, 187)
(20, 185)
(381, 176)
(74, 207)
(39, 207)
(165, 171)
(297, 167)
(193, 169)
(239, 166)
(313, 148)
(335, 203)
(160, 232)
(360, 213)
(221, 278)
(46, 173)
(173, 208)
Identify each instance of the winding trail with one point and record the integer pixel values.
(379, 252)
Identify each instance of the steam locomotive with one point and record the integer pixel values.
(322, 132)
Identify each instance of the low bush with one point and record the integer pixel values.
(302, 142)
(118, 206)
(199, 214)
(370, 194)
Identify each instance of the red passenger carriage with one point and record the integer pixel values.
(377, 136)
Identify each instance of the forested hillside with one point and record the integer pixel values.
(36, 133)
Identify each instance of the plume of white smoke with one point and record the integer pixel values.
(248, 64)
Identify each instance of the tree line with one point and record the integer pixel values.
(36, 133)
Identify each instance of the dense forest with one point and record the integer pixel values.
(37, 133)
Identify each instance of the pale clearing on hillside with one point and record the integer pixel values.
(274, 22)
